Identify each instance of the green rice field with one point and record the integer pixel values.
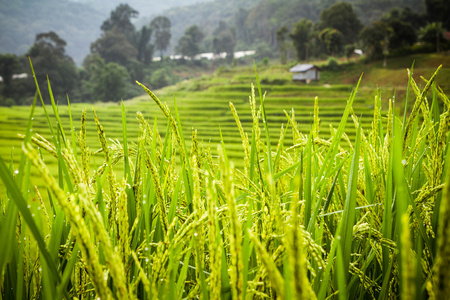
(300, 192)
(203, 105)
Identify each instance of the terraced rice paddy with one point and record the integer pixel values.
(206, 111)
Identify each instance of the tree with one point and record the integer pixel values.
(92, 64)
(120, 20)
(161, 28)
(240, 21)
(49, 59)
(405, 15)
(341, 16)
(110, 82)
(376, 39)
(301, 38)
(189, 43)
(439, 11)
(159, 79)
(349, 50)
(144, 48)
(49, 42)
(432, 34)
(281, 39)
(402, 23)
(224, 40)
(113, 46)
(9, 64)
(403, 34)
(333, 39)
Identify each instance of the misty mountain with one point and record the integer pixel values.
(144, 7)
(76, 21)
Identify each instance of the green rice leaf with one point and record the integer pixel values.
(21, 204)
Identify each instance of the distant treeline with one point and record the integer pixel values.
(287, 30)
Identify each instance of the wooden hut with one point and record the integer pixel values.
(305, 72)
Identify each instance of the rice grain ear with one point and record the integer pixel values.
(80, 230)
(442, 264)
(294, 243)
(418, 104)
(214, 241)
(275, 277)
(84, 150)
(244, 137)
(235, 233)
(408, 267)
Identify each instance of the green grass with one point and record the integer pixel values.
(301, 211)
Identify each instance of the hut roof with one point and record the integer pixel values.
(302, 68)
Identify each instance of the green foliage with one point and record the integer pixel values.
(371, 11)
(189, 44)
(375, 39)
(161, 28)
(264, 62)
(404, 26)
(6, 101)
(120, 21)
(281, 40)
(143, 46)
(302, 38)
(403, 35)
(50, 59)
(333, 39)
(341, 17)
(438, 11)
(159, 79)
(349, 50)
(114, 46)
(332, 64)
(9, 65)
(242, 30)
(432, 34)
(224, 40)
(110, 83)
(263, 50)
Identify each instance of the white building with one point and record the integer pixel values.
(16, 76)
(305, 72)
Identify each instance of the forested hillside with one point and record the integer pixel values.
(206, 15)
(76, 21)
(256, 21)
